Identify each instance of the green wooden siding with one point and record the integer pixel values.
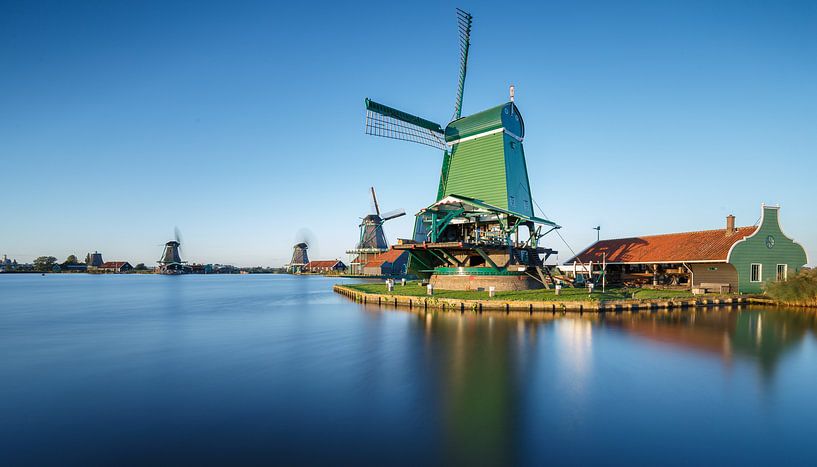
(756, 250)
(476, 170)
(519, 198)
(490, 168)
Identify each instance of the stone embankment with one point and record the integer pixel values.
(462, 305)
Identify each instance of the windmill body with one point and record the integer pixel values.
(300, 258)
(470, 236)
(171, 261)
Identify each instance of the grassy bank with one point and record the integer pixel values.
(800, 290)
(413, 289)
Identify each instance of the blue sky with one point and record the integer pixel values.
(242, 123)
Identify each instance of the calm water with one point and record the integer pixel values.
(279, 370)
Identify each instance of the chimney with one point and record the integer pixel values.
(730, 224)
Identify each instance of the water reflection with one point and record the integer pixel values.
(484, 364)
(755, 334)
(261, 369)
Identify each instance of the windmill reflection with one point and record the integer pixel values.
(477, 361)
(483, 363)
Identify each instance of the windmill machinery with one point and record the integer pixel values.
(483, 197)
(372, 239)
(171, 262)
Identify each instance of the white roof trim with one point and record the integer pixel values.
(480, 135)
(759, 225)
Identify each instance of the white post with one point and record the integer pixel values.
(491, 291)
(558, 288)
(430, 289)
(590, 286)
(390, 285)
(604, 272)
(403, 280)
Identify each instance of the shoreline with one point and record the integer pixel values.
(543, 306)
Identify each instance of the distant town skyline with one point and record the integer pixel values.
(243, 124)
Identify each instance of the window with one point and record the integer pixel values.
(757, 273)
(782, 272)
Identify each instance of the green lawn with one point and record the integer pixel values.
(567, 294)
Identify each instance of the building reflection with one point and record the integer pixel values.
(762, 336)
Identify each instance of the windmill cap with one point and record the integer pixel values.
(505, 116)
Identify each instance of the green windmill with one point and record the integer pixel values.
(470, 237)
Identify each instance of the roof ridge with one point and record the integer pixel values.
(680, 233)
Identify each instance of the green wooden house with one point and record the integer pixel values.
(734, 259)
(765, 255)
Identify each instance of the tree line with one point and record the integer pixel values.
(47, 263)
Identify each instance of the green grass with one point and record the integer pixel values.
(413, 289)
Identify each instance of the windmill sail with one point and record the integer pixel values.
(393, 214)
(464, 20)
(382, 120)
(374, 199)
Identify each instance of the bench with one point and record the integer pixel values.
(710, 287)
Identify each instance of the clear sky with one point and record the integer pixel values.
(242, 123)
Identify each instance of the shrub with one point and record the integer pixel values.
(798, 290)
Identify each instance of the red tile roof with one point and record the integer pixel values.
(705, 245)
(322, 264)
(390, 256)
(114, 264)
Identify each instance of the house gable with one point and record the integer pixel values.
(768, 247)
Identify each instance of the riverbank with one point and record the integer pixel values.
(570, 299)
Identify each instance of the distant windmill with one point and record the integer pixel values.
(372, 238)
(171, 260)
(299, 258)
(371, 228)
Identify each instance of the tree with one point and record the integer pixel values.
(140, 267)
(88, 259)
(44, 263)
(71, 259)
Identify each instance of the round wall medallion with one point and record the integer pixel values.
(769, 241)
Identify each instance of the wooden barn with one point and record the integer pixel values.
(389, 263)
(116, 266)
(324, 266)
(732, 259)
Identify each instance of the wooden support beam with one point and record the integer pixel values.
(486, 258)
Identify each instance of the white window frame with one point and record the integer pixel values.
(759, 272)
(785, 272)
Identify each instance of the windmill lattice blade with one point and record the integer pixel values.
(382, 120)
(393, 214)
(464, 20)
